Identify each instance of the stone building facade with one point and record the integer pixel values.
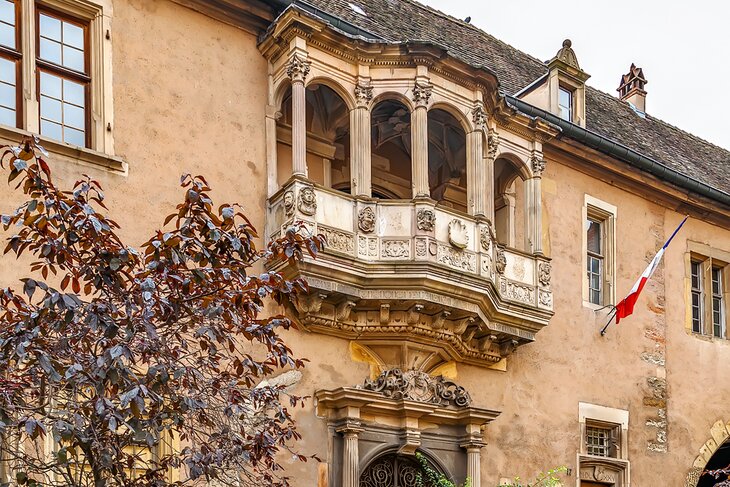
(483, 210)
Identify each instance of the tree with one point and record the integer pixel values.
(108, 352)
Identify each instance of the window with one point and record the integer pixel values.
(600, 441)
(565, 104)
(603, 452)
(10, 58)
(55, 79)
(707, 279)
(598, 252)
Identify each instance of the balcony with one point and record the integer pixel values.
(412, 274)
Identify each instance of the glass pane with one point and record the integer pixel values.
(7, 117)
(51, 130)
(7, 35)
(73, 35)
(73, 58)
(51, 51)
(716, 279)
(73, 93)
(7, 95)
(594, 237)
(50, 27)
(73, 116)
(50, 85)
(696, 275)
(7, 71)
(7, 12)
(50, 109)
(72, 136)
(595, 297)
(596, 266)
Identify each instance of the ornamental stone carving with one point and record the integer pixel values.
(545, 269)
(421, 94)
(366, 220)
(395, 249)
(415, 385)
(307, 201)
(338, 241)
(486, 236)
(425, 220)
(538, 164)
(492, 144)
(288, 203)
(458, 234)
(479, 117)
(363, 94)
(457, 258)
(298, 68)
(500, 262)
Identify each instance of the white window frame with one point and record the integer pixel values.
(98, 14)
(708, 258)
(599, 210)
(571, 107)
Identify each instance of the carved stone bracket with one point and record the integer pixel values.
(415, 385)
(298, 68)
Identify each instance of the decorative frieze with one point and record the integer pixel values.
(425, 220)
(422, 94)
(337, 240)
(367, 246)
(517, 292)
(307, 201)
(395, 249)
(458, 259)
(416, 385)
(298, 68)
(366, 219)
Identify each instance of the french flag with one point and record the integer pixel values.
(626, 306)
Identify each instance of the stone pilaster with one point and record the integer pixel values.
(297, 70)
(490, 156)
(476, 180)
(473, 447)
(350, 453)
(533, 194)
(360, 144)
(419, 141)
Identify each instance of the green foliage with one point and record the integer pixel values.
(545, 479)
(428, 477)
(108, 349)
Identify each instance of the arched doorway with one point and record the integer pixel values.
(393, 470)
(720, 463)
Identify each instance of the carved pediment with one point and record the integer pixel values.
(416, 385)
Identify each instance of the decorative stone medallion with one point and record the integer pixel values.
(544, 273)
(288, 201)
(366, 220)
(415, 385)
(500, 262)
(425, 220)
(307, 201)
(458, 234)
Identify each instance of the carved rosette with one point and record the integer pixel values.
(545, 268)
(492, 144)
(366, 220)
(307, 201)
(500, 263)
(425, 220)
(363, 94)
(458, 234)
(298, 68)
(479, 117)
(288, 201)
(415, 385)
(538, 164)
(421, 94)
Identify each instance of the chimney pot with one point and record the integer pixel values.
(631, 88)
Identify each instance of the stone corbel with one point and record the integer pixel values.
(439, 320)
(311, 303)
(344, 310)
(384, 314)
(506, 348)
(461, 325)
(414, 314)
(411, 442)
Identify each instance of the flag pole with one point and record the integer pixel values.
(611, 316)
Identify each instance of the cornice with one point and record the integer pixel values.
(252, 16)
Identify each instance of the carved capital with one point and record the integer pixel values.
(492, 144)
(538, 164)
(422, 94)
(363, 94)
(350, 427)
(479, 117)
(298, 68)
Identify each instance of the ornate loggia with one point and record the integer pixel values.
(412, 271)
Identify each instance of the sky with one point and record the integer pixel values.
(682, 46)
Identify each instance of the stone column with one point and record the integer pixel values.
(533, 201)
(298, 69)
(272, 172)
(350, 453)
(477, 192)
(419, 141)
(360, 144)
(491, 155)
(474, 465)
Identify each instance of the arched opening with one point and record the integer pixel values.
(720, 460)
(328, 137)
(447, 159)
(393, 470)
(509, 204)
(391, 150)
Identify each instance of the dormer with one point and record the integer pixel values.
(566, 86)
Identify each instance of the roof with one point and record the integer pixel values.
(606, 115)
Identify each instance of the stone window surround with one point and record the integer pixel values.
(98, 14)
(606, 212)
(709, 257)
(603, 469)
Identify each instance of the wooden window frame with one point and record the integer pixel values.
(571, 111)
(62, 71)
(16, 56)
(699, 292)
(601, 258)
(709, 261)
(604, 213)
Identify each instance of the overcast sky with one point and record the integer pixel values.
(683, 47)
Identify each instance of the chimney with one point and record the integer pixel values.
(632, 88)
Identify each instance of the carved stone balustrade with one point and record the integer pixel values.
(402, 270)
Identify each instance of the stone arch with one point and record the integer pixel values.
(719, 438)
(391, 149)
(346, 95)
(280, 92)
(389, 454)
(518, 162)
(455, 112)
(391, 95)
(510, 200)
